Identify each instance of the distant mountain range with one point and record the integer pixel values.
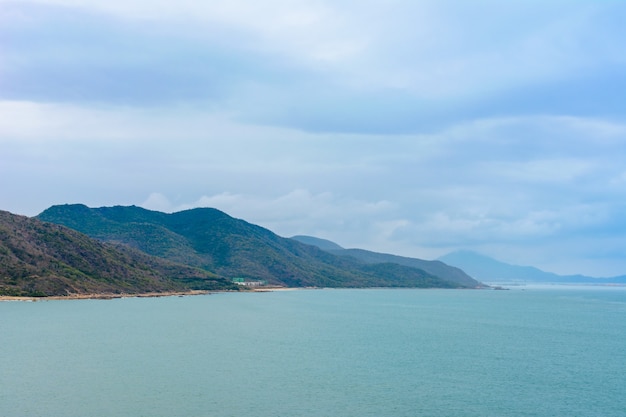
(230, 248)
(488, 269)
(437, 268)
(44, 259)
(74, 249)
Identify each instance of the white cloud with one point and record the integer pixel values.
(30, 120)
(306, 29)
(27, 120)
(432, 49)
(542, 171)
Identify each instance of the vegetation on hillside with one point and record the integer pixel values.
(214, 241)
(43, 259)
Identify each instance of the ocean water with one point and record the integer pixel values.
(536, 352)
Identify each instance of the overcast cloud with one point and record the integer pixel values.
(410, 127)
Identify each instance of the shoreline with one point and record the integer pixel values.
(112, 296)
(108, 296)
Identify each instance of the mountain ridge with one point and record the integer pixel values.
(489, 269)
(323, 244)
(233, 248)
(435, 267)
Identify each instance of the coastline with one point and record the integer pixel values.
(111, 296)
(107, 296)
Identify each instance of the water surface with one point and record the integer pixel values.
(538, 352)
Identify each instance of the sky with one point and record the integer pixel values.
(400, 126)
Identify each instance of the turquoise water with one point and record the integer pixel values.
(538, 352)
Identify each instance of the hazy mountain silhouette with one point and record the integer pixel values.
(489, 269)
(438, 268)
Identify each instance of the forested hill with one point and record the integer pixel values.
(45, 259)
(233, 248)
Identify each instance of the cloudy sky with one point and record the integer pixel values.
(402, 126)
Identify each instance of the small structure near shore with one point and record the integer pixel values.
(246, 283)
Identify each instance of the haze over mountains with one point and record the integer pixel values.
(232, 248)
(437, 268)
(488, 269)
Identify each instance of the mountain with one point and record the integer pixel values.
(232, 248)
(323, 244)
(489, 269)
(437, 268)
(44, 259)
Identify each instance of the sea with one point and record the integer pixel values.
(529, 351)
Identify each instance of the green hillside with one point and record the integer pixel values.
(45, 259)
(233, 248)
